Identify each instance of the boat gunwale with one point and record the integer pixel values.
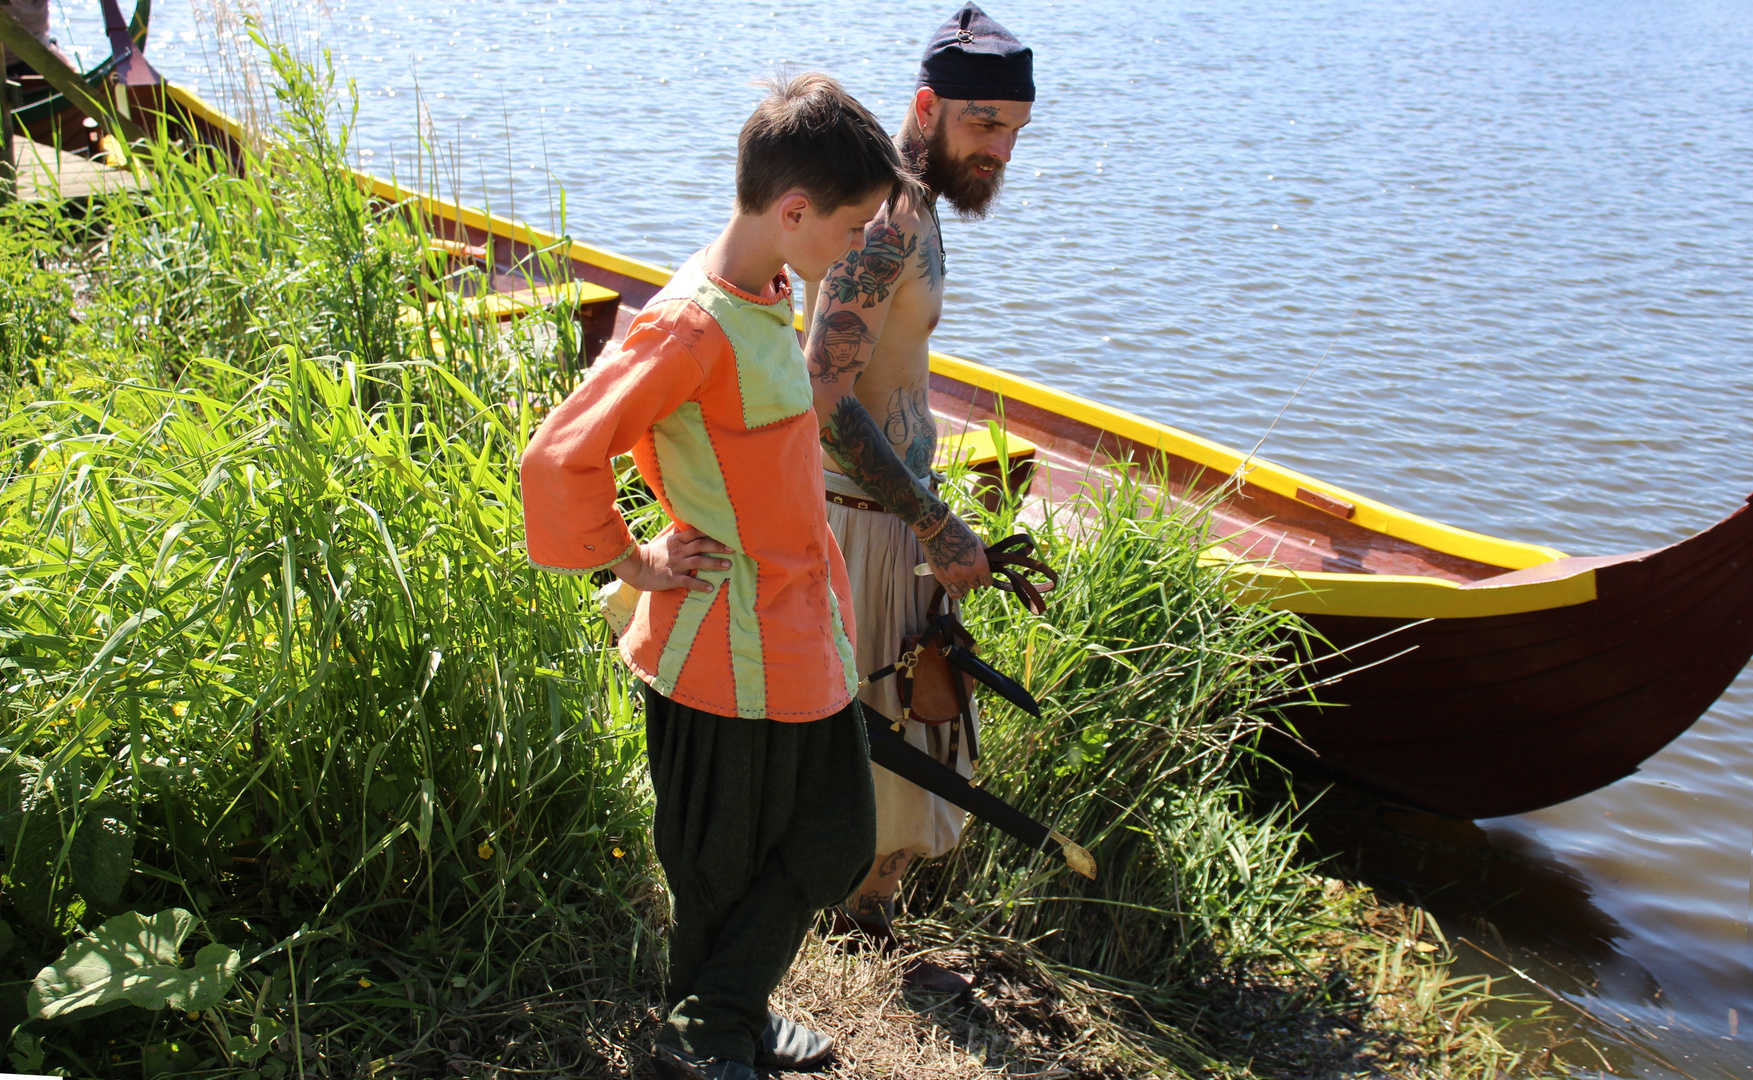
(1311, 592)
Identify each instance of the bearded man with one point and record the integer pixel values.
(868, 349)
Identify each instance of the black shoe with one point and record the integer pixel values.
(681, 1065)
(787, 1044)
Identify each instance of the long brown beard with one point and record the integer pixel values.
(968, 193)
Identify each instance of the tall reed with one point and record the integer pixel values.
(270, 649)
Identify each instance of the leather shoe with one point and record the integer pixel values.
(680, 1065)
(926, 977)
(787, 1044)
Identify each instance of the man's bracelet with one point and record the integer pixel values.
(942, 524)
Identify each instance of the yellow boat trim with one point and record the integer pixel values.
(1381, 595)
(977, 447)
(495, 306)
(1392, 596)
(1370, 514)
(502, 305)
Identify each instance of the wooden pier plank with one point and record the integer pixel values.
(46, 174)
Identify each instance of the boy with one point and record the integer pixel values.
(743, 632)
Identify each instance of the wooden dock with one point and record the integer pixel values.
(46, 174)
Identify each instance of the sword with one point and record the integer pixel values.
(910, 763)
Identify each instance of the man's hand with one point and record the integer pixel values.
(670, 561)
(957, 558)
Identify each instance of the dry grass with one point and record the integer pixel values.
(1373, 998)
(880, 1031)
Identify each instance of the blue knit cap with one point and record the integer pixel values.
(972, 58)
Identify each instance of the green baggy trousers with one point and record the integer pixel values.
(759, 825)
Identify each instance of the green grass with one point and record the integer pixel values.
(271, 650)
(1207, 944)
(271, 653)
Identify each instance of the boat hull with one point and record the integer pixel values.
(1506, 714)
(1502, 713)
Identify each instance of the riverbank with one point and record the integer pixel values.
(273, 658)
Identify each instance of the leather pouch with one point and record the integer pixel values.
(935, 700)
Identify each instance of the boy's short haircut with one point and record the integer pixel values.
(810, 135)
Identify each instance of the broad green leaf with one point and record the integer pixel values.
(137, 960)
(103, 853)
(259, 1041)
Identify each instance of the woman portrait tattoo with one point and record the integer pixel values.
(836, 339)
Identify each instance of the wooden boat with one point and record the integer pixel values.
(48, 117)
(1475, 676)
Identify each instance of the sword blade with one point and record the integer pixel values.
(914, 765)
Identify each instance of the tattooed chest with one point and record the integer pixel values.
(931, 259)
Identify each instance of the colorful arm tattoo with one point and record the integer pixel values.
(867, 275)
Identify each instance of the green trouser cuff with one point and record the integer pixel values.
(759, 825)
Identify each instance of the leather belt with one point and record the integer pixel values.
(861, 502)
(856, 502)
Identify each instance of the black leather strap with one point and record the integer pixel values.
(1012, 561)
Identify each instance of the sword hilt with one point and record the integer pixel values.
(1076, 856)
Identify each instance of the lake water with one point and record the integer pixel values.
(1514, 235)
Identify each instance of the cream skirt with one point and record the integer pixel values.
(889, 603)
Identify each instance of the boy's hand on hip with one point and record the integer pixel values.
(670, 562)
(958, 559)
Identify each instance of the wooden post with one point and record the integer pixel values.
(8, 167)
(63, 78)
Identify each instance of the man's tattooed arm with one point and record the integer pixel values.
(867, 274)
(851, 305)
(863, 452)
(838, 345)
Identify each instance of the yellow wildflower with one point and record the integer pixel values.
(485, 850)
(181, 708)
(618, 853)
(365, 984)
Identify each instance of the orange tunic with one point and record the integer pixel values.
(710, 394)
